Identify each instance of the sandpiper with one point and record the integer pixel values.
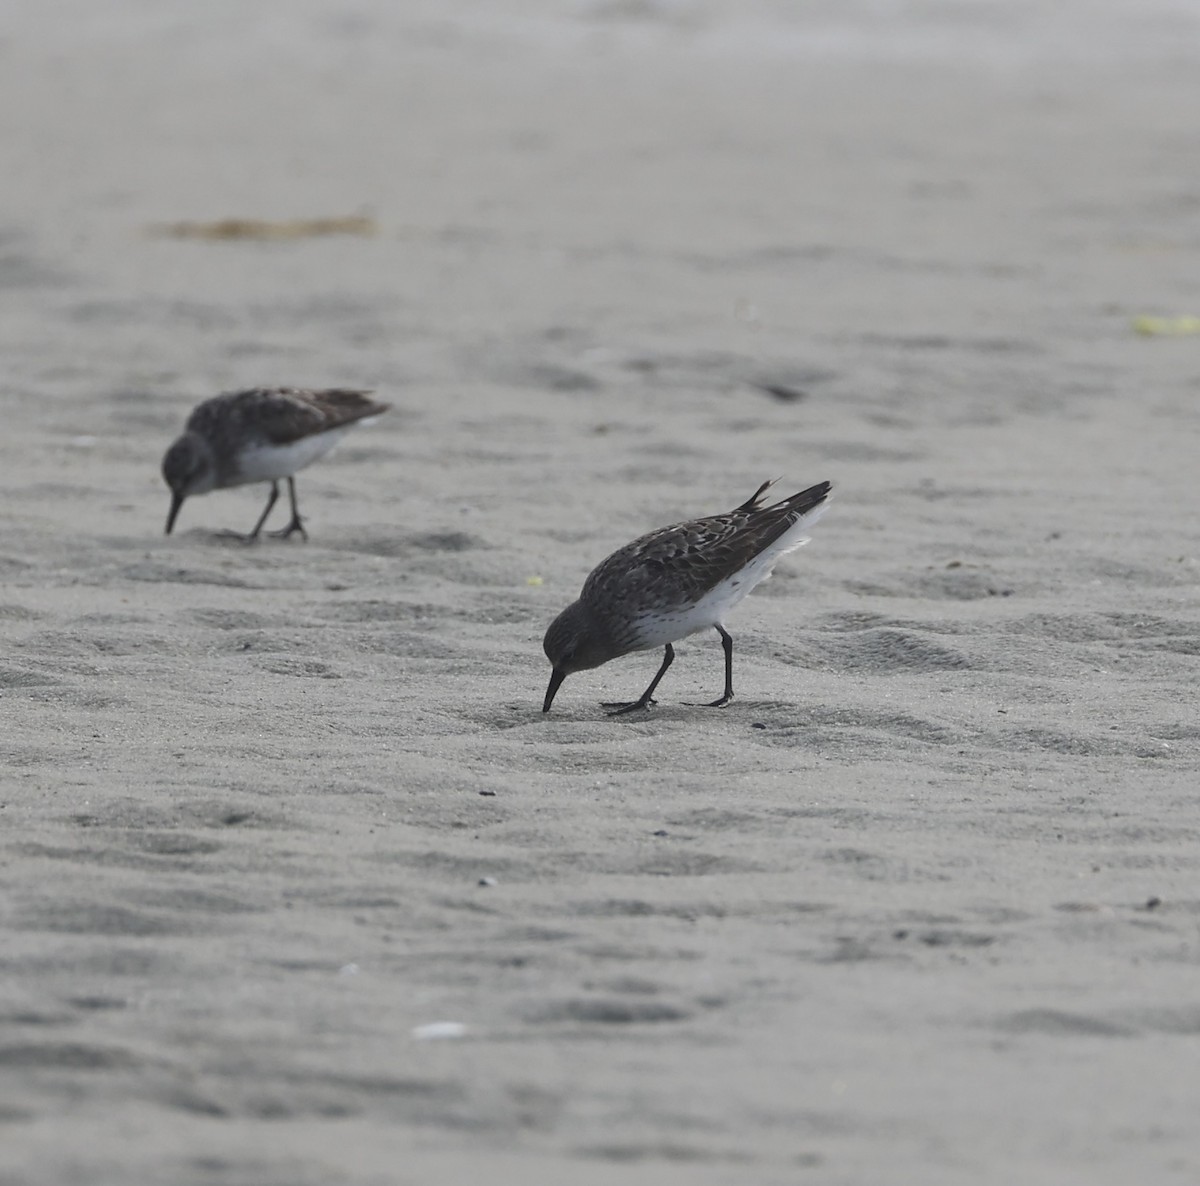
(260, 435)
(674, 582)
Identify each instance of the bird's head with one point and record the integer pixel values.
(187, 469)
(574, 642)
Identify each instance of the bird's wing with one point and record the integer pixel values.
(686, 560)
(282, 415)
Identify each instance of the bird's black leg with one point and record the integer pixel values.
(727, 646)
(263, 517)
(297, 524)
(645, 700)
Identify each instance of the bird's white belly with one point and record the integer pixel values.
(668, 624)
(269, 463)
(660, 627)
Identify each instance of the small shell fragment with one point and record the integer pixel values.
(436, 1030)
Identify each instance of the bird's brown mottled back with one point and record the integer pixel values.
(696, 555)
(281, 415)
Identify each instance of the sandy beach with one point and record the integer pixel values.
(920, 906)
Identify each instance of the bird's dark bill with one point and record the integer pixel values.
(556, 679)
(176, 503)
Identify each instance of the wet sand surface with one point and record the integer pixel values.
(920, 906)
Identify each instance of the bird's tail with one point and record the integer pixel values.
(756, 499)
(803, 504)
(792, 517)
(798, 505)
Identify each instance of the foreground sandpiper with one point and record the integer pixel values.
(260, 435)
(674, 582)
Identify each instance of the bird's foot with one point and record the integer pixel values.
(286, 532)
(621, 707)
(241, 537)
(719, 703)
